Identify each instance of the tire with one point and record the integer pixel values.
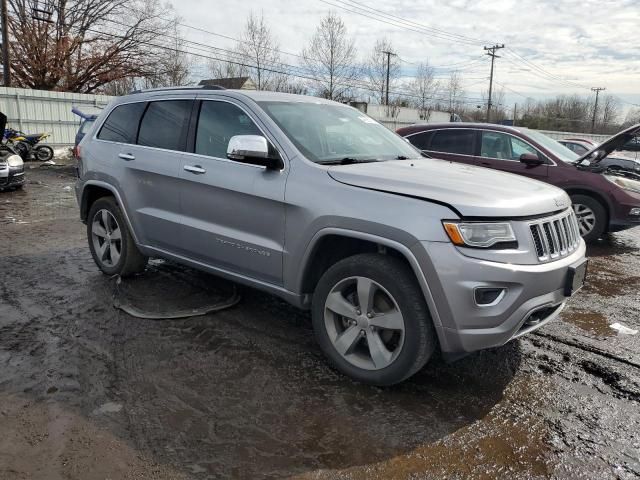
(104, 220)
(591, 215)
(399, 353)
(43, 153)
(23, 150)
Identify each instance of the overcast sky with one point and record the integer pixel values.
(586, 42)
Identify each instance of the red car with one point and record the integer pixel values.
(604, 200)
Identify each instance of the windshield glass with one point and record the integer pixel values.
(327, 133)
(559, 150)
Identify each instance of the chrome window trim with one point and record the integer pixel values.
(199, 155)
(552, 164)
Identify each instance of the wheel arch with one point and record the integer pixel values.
(330, 245)
(92, 190)
(596, 196)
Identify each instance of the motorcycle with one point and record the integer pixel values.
(27, 145)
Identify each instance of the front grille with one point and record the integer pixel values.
(556, 236)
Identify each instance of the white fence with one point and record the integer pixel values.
(34, 111)
(589, 136)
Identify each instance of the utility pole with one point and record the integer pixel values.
(388, 54)
(515, 113)
(4, 24)
(595, 107)
(491, 51)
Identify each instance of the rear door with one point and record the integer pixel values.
(455, 144)
(501, 151)
(233, 213)
(152, 177)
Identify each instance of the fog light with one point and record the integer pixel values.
(488, 296)
(635, 211)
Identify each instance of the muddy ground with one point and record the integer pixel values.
(89, 392)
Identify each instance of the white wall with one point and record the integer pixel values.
(35, 111)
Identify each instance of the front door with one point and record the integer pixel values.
(502, 151)
(233, 213)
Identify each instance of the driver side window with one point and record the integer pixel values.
(217, 123)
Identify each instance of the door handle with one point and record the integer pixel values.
(126, 156)
(197, 169)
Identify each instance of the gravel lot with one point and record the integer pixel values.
(89, 392)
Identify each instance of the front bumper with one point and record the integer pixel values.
(11, 177)
(534, 296)
(620, 218)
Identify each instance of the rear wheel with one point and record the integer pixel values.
(44, 153)
(591, 215)
(371, 320)
(110, 242)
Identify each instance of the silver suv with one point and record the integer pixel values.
(395, 254)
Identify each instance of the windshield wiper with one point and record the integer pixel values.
(348, 161)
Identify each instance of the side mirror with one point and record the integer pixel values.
(253, 149)
(531, 159)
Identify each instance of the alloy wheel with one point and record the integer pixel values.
(106, 237)
(364, 323)
(586, 218)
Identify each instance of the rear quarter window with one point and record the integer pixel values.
(421, 140)
(122, 123)
(455, 140)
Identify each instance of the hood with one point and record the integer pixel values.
(471, 191)
(599, 152)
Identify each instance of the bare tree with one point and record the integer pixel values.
(173, 67)
(455, 92)
(423, 88)
(377, 68)
(610, 110)
(226, 69)
(330, 58)
(632, 117)
(85, 44)
(259, 50)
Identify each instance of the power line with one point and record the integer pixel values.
(359, 85)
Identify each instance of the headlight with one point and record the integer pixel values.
(15, 161)
(626, 183)
(479, 234)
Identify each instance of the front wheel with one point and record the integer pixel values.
(44, 153)
(371, 320)
(591, 216)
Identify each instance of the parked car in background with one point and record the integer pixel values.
(604, 199)
(577, 145)
(11, 164)
(632, 145)
(619, 161)
(318, 203)
(86, 122)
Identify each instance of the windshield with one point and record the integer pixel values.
(555, 147)
(327, 133)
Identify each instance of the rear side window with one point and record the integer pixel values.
(456, 140)
(122, 123)
(165, 124)
(218, 122)
(421, 140)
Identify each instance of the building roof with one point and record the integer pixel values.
(236, 83)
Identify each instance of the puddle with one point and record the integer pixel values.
(592, 322)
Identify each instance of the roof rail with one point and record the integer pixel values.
(166, 89)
